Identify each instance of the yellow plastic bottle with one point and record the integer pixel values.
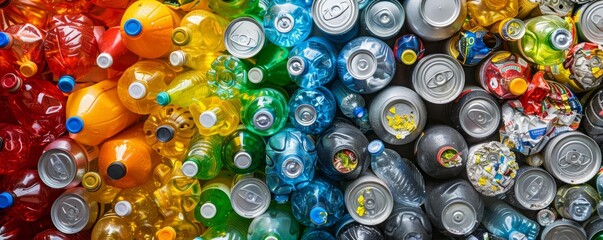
(113, 227)
(139, 85)
(95, 113)
(216, 116)
(186, 89)
(137, 207)
(146, 27)
(487, 12)
(196, 60)
(96, 186)
(177, 227)
(526, 7)
(200, 30)
(169, 130)
(179, 195)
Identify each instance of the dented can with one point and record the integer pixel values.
(491, 168)
(368, 199)
(572, 157)
(561, 8)
(476, 114)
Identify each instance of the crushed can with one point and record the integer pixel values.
(561, 8)
(582, 69)
(470, 46)
(491, 168)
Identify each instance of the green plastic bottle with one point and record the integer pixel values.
(546, 40)
(276, 223)
(186, 89)
(243, 151)
(265, 111)
(214, 207)
(235, 228)
(271, 67)
(204, 157)
(235, 8)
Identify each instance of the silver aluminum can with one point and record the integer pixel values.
(244, 37)
(397, 115)
(75, 210)
(563, 229)
(589, 22)
(592, 121)
(369, 200)
(593, 227)
(476, 114)
(435, 20)
(572, 157)
(250, 196)
(534, 189)
(407, 223)
(441, 152)
(64, 162)
(438, 78)
(455, 207)
(560, 8)
(491, 168)
(383, 18)
(336, 18)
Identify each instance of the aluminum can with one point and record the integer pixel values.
(383, 18)
(342, 152)
(546, 216)
(476, 114)
(455, 207)
(64, 162)
(75, 210)
(397, 115)
(250, 196)
(588, 19)
(435, 20)
(561, 8)
(491, 168)
(336, 19)
(407, 223)
(510, 29)
(368, 199)
(563, 229)
(348, 229)
(441, 152)
(572, 157)
(593, 228)
(244, 37)
(438, 78)
(534, 189)
(576, 202)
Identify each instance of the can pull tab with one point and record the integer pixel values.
(59, 167)
(335, 10)
(250, 196)
(385, 18)
(366, 203)
(71, 212)
(598, 21)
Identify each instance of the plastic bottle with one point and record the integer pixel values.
(316, 233)
(67, 6)
(54, 234)
(502, 220)
(146, 28)
(351, 104)
(319, 204)
(98, 188)
(111, 226)
(313, 62)
(243, 151)
(576, 202)
(15, 144)
(265, 112)
(348, 229)
(232, 9)
(95, 113)
(287, 23)
(188, 6)
(505, 75)
(546, 40)
(213, 115)
(487, 12)
(139, 85)
(177, 227)
(312, 110)
(200, 30)
(113, 53)
(366, 65)
(228, 76)
(169, 130)
(26, 197)
(22, 45)
(214, 207)
(408, 49)
(275, 223)
(271, 66)
(290, 162)
(235, 228)
(196, 60)
(203, 159)
(407, 223)
(26, 11)
(137, 207)
(186, 89)
(70, 48)
(180, 194)
(401, 175)
(13, 228)
(342, 153)
(118, 4)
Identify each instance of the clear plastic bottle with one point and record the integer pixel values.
(243, 152)
(487, 12)
(214, 207)
(351, 104)
(318, 204)
(265, 112)
(203, 159)
(546, 40)
(313, 62)
(186, 89)
(22, 46)
(275, 223)
(287, 23)
(503, 221)
(200, 30)
(213, 115)
(111, 226)
(576, 202)
(228, 76)
(312, 110)
(169, 130)
(137, 207)
(98, 188)
(401, 175)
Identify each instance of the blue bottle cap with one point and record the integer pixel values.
(376, 147)
(359, 112)
(66, 83)
(163, 98)
(133, 27)
(6, 200)
(74, 124)
(4, 40)
(318, 215)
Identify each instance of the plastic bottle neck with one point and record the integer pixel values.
(211, 117)
(181, 36)
(296, 66)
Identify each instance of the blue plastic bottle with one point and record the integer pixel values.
(401, 176)
(352, 105)
(290, 162)
(316, 233)
(287, 23)
(503, 221)
(312, 110)
(409, 49)
(312, 63)
(276, 223)
(319, 204)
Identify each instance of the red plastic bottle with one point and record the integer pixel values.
(109, 17)
(37, 105)
(54, 234)
(27, 197)
(21, 45)
(6, 116)
(113, 52)
(12, 228)
(25, 11)
(70, 48)
(15, 149)
(67, 6)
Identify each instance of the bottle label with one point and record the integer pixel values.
(345, 161)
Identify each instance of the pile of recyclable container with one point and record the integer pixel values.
(293, 119)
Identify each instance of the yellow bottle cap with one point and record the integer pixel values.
(91, 181)
(166, 233)
(28, 69)
(518, 86)
(408, 57)
(181, 36)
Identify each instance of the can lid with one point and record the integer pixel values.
(572, 157)
(137, 90)
(190, 168)
(561, 39)
(250, 197)
(296, 66)
(165, 133)
(305, 114)
(563, 229)
(132, 27)
(166, 233)
(580, 209)
(263, 119)
(66, 83)
(440, 13)
(383, 19)
(208, 210)
(11, 82)
(318, 215)
(5, 40)
(70, 213)
(104, 60)
(480, 116)
(255, 75)
(177, 58)
(459, 218)
(181, 36)
(57, 168)
(28, 68)
(74, 124)
(513, 29)
(368, 200)
(116, 170)
(335, 17)
(208, 119)
(292, 167)
(361, 64)
(518, 86)
(591, 22)
(242, 160)
(6, 200)
(438, 78)
(244, 37)
(534, 188)
(123, 208)
(163, 98)
(376, 147)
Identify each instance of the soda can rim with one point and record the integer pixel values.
(244, 212)
(562, 140)
(420, 84)
(231, 27)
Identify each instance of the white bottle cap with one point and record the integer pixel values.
(190, 169)
(137, 90)
(242, 160)
(208, 119)
(123, 208)
(255, 75)
(104, 60)
(208, 210)
(177, 58)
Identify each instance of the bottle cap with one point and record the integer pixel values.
(28, 68)
(359, 112)
(11, 82)
(208, 210)
(242, 160)
(166, 233)
(408, 57)
(376, 147)
(66, 83)
(177, 58)
(74, 124)
(116, 170)
(181, 36)
(123, 208)
(132, 27)
(190, 169)
(561, 39)
(255, 75)
(292, 167)
(305, 115)
(91, 181)
(163, 98)
(104, 60)
(165, 133)
(518, 86)
(208, 119)
(137, 90)
(263, 119)
(515, 235)
(296, 66)
(5, 40)
(6, 200)
(318, 215)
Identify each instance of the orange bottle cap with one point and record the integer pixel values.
(166, 233)
(518, 86)
(28, 69)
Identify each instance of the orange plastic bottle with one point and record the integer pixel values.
(95, 113)
(21, 45)
(147, 26)
(25, 11)
(67, 6)
(487, 12)
(169, 130)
